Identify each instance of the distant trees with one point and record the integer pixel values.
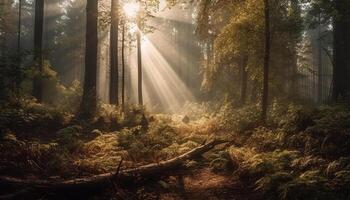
(244, 34)
(38, 49)
(336, 13)
(88, 104)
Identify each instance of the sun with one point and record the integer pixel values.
(131, 9)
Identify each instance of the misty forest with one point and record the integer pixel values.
(175, 99)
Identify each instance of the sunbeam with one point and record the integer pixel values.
(163, 88)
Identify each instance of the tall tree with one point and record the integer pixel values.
(264, 102)
(295, 22)
(123, 64)
(319, 66)
(19, 26)
(341, 39)
(139, 60)
(88, 104)
(114, 71)
(38, 49)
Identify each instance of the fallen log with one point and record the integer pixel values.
(103, 180)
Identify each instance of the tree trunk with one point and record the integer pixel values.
(244, 80)
(38, 51)
(319, 66)
(16, 80)
(341, 49)
(264, 102)
(295, 15)
(5, 10)
(19, 27)
(139, 60)
(123, 65)
(114, 72)
(89, 101)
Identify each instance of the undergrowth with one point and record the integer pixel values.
(303, 152)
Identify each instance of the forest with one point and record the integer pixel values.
(175, 99)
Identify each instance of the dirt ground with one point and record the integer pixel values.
(195, 184)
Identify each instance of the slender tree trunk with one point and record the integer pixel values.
(19, 58)
(244, 81)
(296, 16)
(319, 65)
(123, 65)
(19, 27)
(264, 102)
(5, 11)
(139, 60)
(114, 71)
(88, 105)
(38, 51)
(254, 91)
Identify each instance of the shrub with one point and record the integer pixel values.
(69, 137)
(27, 115)
(239, 120)
(42, 159)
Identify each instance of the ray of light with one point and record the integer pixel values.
(163, 89)
(131, 9)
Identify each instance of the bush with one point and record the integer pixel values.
(27, 115)
(56, 94)
(42, 159)
(69, 137)
(239, 120)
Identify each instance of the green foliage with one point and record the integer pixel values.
(240, 119)
(12, 74)
(101, 155)
(28, 157)
(111, 118)
(220, 161)
(143, 146)
(292, 117)
(264, 139)
(303, 155)
(232, 30)
(54, 93)
(26, 115)
(69, 137)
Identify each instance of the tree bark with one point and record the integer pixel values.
(139, 60)
(123, 64)
(19, 27)
(341, 51)
(88, 104)
(264, 102)
(19, 56)
(319, 66)
(114, 37)
(38, 51)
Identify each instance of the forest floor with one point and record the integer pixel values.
(303, 154)
(193, 184)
